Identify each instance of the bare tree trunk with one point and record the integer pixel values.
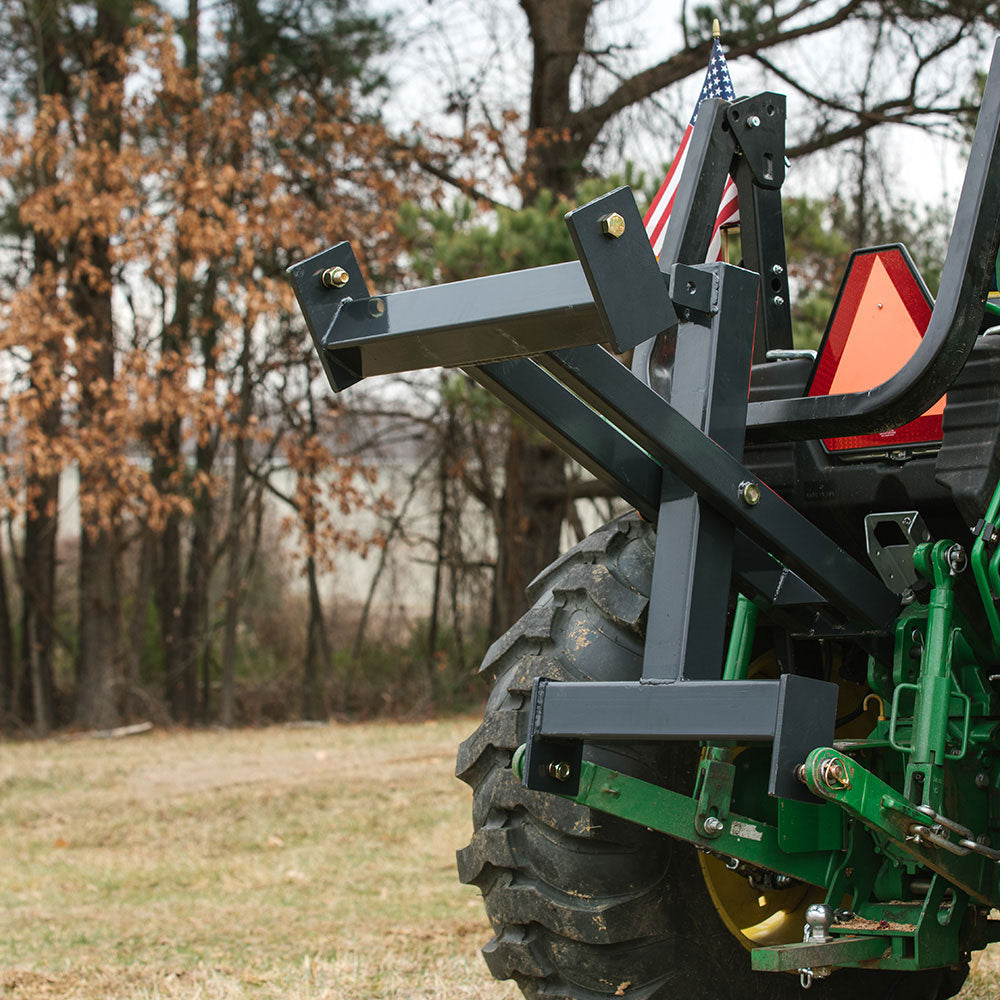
(395, 527)
(36, 686)
(99, 648)
(193, 624)
(234, 554)
(98, 705)
(317, 660)
(533, 506)
(137, 626)
(317, 650)
(6, 642)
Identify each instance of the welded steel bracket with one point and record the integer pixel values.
(794, 713)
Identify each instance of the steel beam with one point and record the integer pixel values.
(718, 478)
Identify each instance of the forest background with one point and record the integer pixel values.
(160, 167)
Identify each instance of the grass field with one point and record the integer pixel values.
(284, 862)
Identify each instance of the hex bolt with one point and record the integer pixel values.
(335, 277)
(782, 881)
(713, 826)
(753, 121)
(612, 225)
(982, 780)
(778, 300)
(750, 493)
(777, 269)
(560, 771)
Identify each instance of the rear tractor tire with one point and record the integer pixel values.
(585, 906)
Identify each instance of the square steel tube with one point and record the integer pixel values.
(717, 477)
(741, 711)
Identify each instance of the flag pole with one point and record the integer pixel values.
(724, 230)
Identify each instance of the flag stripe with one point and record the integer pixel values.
(717, 84)
(654, 212)
(657, 231)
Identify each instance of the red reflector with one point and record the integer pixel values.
(878, 320)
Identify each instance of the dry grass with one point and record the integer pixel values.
(283, 862)
(287, 862)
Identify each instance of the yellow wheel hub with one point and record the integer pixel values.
(777, 916)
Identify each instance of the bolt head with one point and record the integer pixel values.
(750, 493)
(777, 269)
(613, 225)
(335, 277)
(982, 780)
(753, 121)
(559, 770)
(713, 826)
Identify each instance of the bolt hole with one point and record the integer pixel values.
(725, 126)
(691, 288)
(775, 285)
(736, 116)
(771, 109)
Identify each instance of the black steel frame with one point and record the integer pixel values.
(676, 452)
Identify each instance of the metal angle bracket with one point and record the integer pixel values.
(549, 765)
(758, 125)
(894, 562)
(323, 283)
(628, 287)
(807, 714)
(695, 288)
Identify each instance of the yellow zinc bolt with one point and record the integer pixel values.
(335, 277)
(612, 225)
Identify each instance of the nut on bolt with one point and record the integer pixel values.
(335, 277)
(750, 493)
(559, 770)
(713, 826)
(612, 225)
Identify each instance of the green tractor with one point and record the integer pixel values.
(747, 739)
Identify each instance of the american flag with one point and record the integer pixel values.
(717, 84)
